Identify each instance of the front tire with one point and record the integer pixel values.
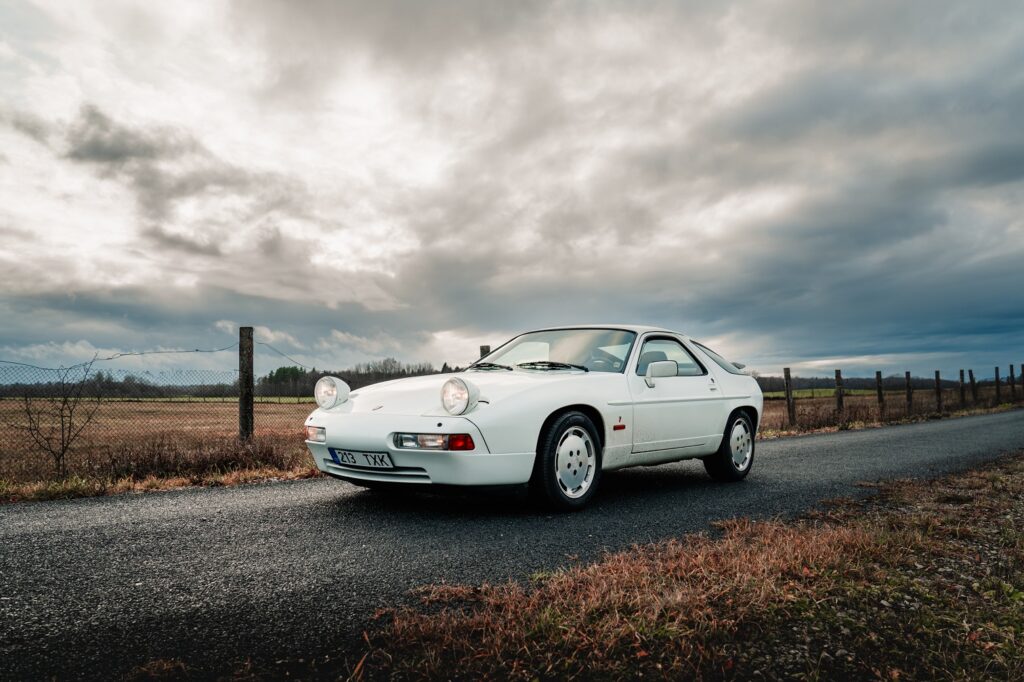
(567, 470)
(735, 455)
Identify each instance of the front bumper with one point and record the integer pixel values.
(374, 433)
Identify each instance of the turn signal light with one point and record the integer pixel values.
(461, 441)
(317, 434)
(434, 441)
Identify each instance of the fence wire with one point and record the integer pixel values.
(153, 417)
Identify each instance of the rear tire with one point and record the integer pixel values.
(735, 455)
(567, 469)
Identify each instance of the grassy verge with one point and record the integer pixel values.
(923, 581)
(777, 428)
(76, 486)
(162, 462)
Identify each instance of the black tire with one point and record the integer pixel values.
(545, 485)
(722, 466)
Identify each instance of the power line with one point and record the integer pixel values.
(115, 356)
(283, 355)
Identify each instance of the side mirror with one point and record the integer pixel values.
(738, 365)
(661, 368)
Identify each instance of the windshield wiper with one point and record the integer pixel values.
(489, 365)
(550, 364)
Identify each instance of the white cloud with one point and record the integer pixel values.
(273, 336)
(378, 345)
(226, 326)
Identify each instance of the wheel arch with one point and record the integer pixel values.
(592, 413)
(751, 413)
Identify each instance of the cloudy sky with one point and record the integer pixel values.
(799, 183)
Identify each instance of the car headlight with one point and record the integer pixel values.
(330, 391)
(459, 396)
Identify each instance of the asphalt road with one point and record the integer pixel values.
(94, 587)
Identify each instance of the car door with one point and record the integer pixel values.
(681, 411)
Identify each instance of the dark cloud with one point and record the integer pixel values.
(164, 167)
(143, 158)
(161, 238)
(95, 138)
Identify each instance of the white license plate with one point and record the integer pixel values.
(373, 460)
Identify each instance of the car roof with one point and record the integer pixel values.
(638, 328)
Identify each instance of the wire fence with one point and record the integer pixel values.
(99, 419)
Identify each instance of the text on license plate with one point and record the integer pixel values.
(374, 460)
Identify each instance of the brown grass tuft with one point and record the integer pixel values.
(675, 605)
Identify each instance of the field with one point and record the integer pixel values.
(141, 439)
(861, 408)
(132, 444)
(828, 393)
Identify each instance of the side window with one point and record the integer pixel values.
(655, 350)
(719, 360)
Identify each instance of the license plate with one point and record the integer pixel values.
(372, 460)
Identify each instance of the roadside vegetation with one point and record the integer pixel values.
(157, 462)
(82, 433)
(153, 445)
(923, 581)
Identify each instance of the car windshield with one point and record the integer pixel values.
(597, 350)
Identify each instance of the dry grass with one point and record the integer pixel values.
(160, 669)
(156, 445)
(131, 445)
(863, 411)
(76, 486)
(158, 461)
(922, 582)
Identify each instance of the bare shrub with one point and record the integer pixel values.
(55, 420)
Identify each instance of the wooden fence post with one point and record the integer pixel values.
(839, 391)
(245, 384)
(938, 391)
(963, 395)
(790, 404)
(999, 390)
(910, 396)
(974, 387)
(1013, 386)
(881, 395)
(484, 350)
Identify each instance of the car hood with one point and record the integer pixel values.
(422, 395)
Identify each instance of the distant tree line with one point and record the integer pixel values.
(289, 381)
(182, 384)
(174, 384)
(299, 381)
(893, 382)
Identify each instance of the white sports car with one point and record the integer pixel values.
(551, 408)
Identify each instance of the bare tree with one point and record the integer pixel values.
(56, 418)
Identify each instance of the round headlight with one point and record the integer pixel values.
(330, 391)
(458, 396)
